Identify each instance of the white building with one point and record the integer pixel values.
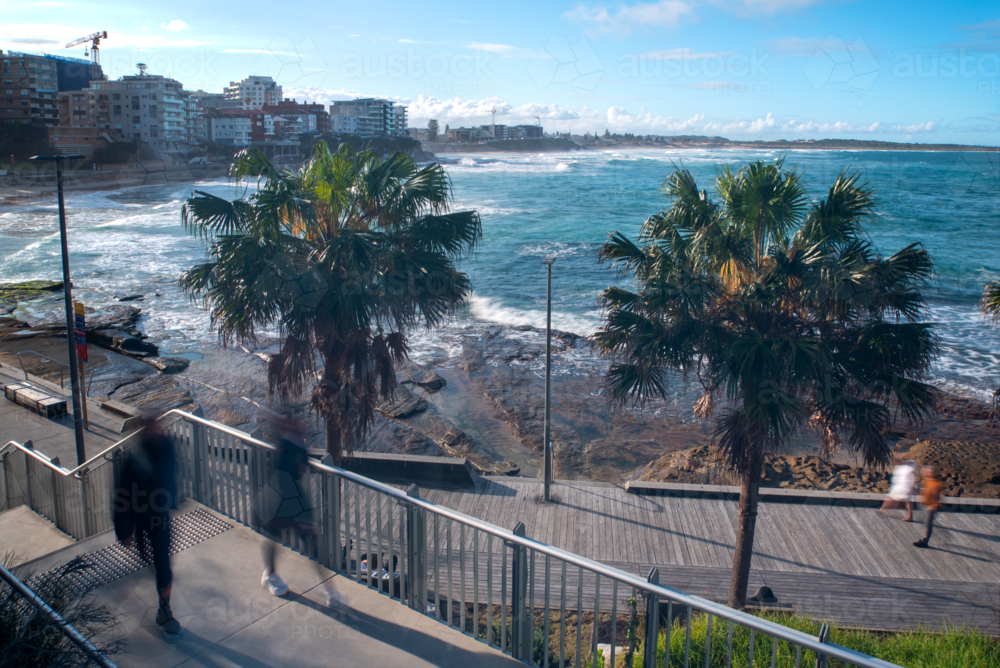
(149, 108)
(229, 130)
(368, 117)
(254, 92)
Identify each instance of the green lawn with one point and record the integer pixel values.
(954, 648)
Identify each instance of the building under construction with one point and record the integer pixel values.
(30, 85)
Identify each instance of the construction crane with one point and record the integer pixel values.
(95, 46)
(538, 120)
(493, 126)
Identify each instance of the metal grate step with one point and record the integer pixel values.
(116, 561)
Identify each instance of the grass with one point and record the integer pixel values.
(952, 647)
(949, 648)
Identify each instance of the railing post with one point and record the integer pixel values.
(88, 523)
(254, 500)
(416, 553)
(652, 622)
(520, 631)
(58, 500)
(331, 516)
(198, 446)
(824, 636)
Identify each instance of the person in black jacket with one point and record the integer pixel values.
(145, 493)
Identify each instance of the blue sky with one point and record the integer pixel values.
(744, 69)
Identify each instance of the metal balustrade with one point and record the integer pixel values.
(495, 584)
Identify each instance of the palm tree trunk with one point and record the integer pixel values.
(746, 525)
(334, 444)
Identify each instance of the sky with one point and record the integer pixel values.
(922, 71)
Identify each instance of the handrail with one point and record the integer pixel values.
(35, 352)
(56, 467)
(750, 621)
(101, 454)
(34, 453)
(64, 627)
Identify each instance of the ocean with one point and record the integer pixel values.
(131, 240)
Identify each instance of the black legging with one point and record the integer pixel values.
(156, 529)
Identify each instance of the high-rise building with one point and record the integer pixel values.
(368, 117)
(30, 84)
(254, 92)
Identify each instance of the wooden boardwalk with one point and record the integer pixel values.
(853, 565)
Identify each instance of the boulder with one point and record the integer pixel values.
(130, 298)
(411, 372)
(157, 393)
(168, 364)
(403, 404)
(123, 342)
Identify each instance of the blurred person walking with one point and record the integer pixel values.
(904, 476)
(145, 493)
(930, 497)
(285, 505)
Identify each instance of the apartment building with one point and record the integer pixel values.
(368, 117)
(254, 92)
(494, 133)
(149, 108)
(30, 85)
(302, 117)
(238, 128)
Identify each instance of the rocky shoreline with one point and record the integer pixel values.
(476, 392)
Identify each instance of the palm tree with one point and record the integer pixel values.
(341, 257)
(784, 311)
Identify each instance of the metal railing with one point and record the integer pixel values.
(61, 373)
(78, 500)
(495, 584)
(523, 597)
(45, 610)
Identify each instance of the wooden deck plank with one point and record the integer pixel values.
(805, 550)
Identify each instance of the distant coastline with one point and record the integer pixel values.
(692, 142)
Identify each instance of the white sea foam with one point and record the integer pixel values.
(493, 310)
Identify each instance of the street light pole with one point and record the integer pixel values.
(74, 366)
(547, 443)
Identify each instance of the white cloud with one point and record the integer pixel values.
(502, 50)
(662, 14)
(16, 34)
(686, 54)
(267, 52)
(416, 41)
(475, 112)
(322, 96)
(598, 20)
(175, 25)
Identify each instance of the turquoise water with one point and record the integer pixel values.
(131, 241)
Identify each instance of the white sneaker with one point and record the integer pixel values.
(335, 600)
(274, 584)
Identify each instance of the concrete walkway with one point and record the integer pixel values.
(55, 438)
(229, 620)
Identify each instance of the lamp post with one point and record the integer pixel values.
(74, 367)
(547, 443)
